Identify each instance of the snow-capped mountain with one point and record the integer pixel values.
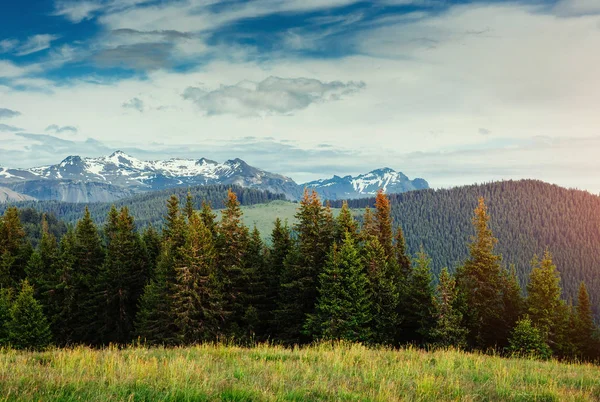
(119, 175)
(366, 185)
(125, 171)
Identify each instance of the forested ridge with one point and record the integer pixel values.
(526, 216)
(147, 208)
(203, 279)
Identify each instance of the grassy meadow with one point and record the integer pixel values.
(269, 373)
(264, 215)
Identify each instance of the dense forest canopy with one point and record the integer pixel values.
(527, 217)
(325, 278)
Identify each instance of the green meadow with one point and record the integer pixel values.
(342, 372)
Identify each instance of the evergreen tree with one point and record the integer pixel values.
(232, 243)
(5, 307)
(89, 257)
(62, 301)
(28, 327)
(122, 279)
(480, 281)
(197, 298)
(514, 304)
(585, 328)
(527, 341)
(188, 210)
(15, 250)
(298, 293)
(153, 245)
(544, 304)
(345, 224)
(343, 308)
(383, 223)
(402, 258)
(208, 218)
(384, 293)
(419, 313)
(256, 319)
(369, 227)
(448, 330)
(281, 245)
(155, 322)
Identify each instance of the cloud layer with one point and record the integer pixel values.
(272, 96)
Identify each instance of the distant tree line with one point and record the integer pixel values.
(526, 215)
(201, 279)
(147, 208)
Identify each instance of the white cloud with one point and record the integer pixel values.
(54, 128)
(574, 8)
(273, 95)
(134, 103)
(8, 113)
(80, 10)
(36, 43)
(8, 45)
(9, 69)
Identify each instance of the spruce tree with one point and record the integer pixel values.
(28, 327)
(448, 329)
(527, 341)
(256, 319)
(42, 264)
(122, 279)
(6, 296)
(153, 245)
(155, 322)
(281, 245)
(585, 328)
(15, 250)
(208, 218)
(384, 293)
(402, 257)
(544, 304)
(62, 300)
(514, 303)
(343, 308)
(197, 301)
(383, 223)
(369, 226)
(480, 282)
(232, 243)
(89, 257)
(345, 223)
(188, 209)
(298, 293)
(419, 308)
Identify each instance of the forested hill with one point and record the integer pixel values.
(148, 208)
(527, 216)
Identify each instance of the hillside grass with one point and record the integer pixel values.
(264, 215)
(342, 372)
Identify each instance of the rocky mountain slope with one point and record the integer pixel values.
(119, 175)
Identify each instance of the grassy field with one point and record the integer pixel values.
(266, 373)
(263, 215)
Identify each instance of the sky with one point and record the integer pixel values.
(455, 92)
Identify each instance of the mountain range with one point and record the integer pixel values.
(113, 177)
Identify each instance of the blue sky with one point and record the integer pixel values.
(452, 91)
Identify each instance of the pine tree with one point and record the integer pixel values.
(480, 282)
(208, 218)
(153, 245)
(544, 304)
(122, 279)
(281, 245)
(384, 293)
(188, 210)
(343, 308)
(41, 267)
(256, 319)
(89, 257)
(345, 224)
(62, 299)
(28, 327)
(514, 304)
(369, 226)
(155, 322)
(197, 298)
(15, 250)
(6, 297)
(298, 293)
(232, 243)
(527, 341)
(383, 223)
(448, 330)
(419, 313)
(585, 328)
(402, 258)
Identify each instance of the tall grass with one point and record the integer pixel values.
(342, 372)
